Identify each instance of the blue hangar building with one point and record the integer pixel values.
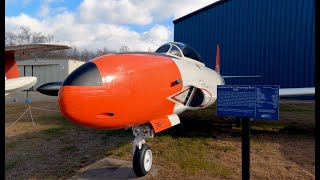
(271, 38)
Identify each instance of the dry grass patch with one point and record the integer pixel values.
(203, 146)
(52, 149)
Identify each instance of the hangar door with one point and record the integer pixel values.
(44, 73)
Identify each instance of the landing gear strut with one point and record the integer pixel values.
(142, 154)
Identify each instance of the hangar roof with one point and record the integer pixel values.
(199, 11)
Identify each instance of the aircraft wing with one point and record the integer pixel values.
(13, 81)
(20, 83)
(39, 47)
(287, 92)
(224, 77)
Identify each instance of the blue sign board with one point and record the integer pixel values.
(260, 102)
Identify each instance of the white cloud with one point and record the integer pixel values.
(45, 8)
(24, 2)
(115, 12)
(97, 24)
(66, 28)
(137, 11)
(157, 34)
(12, 24)
(61, 9)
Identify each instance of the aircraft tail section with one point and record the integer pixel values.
(11, 68)
(217, 69)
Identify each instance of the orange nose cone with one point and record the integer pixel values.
(82, 105)
(120, 91)
(71, 104)
(79, 96)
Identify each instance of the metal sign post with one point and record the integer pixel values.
(245, 102)
(245, 148)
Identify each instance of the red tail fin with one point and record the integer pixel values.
(11, 68)
(218, 59)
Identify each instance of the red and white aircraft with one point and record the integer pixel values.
(142, 91)
(13, 81)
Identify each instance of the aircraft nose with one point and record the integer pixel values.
(86, 75)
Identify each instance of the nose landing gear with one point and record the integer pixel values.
(142, 154)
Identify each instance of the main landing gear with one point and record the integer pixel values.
(142, 154)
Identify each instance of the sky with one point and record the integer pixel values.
(141, 25)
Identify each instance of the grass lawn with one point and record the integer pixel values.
(202, 146)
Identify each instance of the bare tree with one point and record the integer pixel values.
(75, 53)
(100, 53)
(124, 49)
(92, 55)
(38, 38)
(49, 38)
(26, 36)
(150, 50)
(85, 55)
(10, 39)
(105, 50)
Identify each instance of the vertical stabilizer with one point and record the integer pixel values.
(217, 69)
(11, 68)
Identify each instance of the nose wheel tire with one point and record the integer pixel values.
(142, 160)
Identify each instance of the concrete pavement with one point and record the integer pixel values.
(110, 168)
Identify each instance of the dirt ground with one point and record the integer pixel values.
(202, 146)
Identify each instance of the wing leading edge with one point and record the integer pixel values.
(39, 47)
(287, 92)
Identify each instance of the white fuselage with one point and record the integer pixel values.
(195, 76)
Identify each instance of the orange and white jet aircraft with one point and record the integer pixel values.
(13, 81)
(142, 91)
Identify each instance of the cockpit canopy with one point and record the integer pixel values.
(180, 50)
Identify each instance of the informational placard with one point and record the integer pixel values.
(260, 102)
